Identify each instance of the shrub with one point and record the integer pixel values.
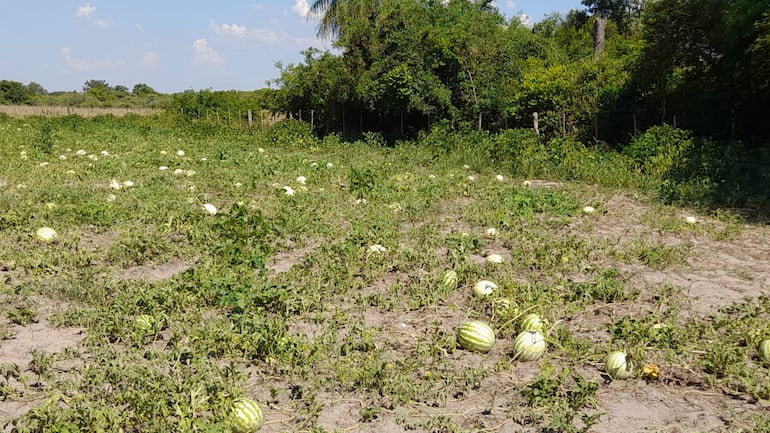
(290, 132)
(658, 149)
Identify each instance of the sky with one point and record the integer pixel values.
(170, 45)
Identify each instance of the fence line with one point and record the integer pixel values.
(58, 110)
(256, 119)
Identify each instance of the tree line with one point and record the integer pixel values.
(598, 74)
(189, 104)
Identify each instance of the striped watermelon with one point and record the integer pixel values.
(450, 280)
(504, 308)
(475, 335)
(145, 323)
(532, 322)
(246, 416)
(529, 346)
(618, 366)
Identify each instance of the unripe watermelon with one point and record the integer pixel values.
(529, 346)
(246, 416)
(450, 280)
(504, 308)
(145, 323)
(532, 322)
(618, 366)
(475, 335)
(764, 350)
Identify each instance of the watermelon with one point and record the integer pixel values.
(484, 288)
(475, 335)
(46, 234)
(618, 366)
(504, 308)
(764, 350)
(245, 416)
(529, 346)
(450, 280)
(145, 323)
(532, 322)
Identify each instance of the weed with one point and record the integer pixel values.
(22, 315)
(564, 397)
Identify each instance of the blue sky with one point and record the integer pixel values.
(170, 45)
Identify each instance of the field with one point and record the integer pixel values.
(313, 283)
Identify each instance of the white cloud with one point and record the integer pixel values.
(86, 10)
(102, 24)
(263, 35)
(139, 27)
(228, 29)
(151, 59)
(89, 65)
(204, 53)
(301, 7)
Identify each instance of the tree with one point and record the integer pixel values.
(94, 84)
(99, 91)
(336, 14)
(142, 89)
(618, 11)
(700, 64)
(320, 87)
(14, 92)
(36, 89)
(615, 9)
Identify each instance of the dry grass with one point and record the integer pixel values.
(53, 110)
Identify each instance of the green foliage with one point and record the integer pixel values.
(699, 60)
(565, 399)
(713, 174)
(219, 107)
(361, 181)
(46, 138)
(659, 149)
(14, 92)
(526, 202)
(290, 133)
(241, 238)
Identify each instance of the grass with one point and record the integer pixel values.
(339, 322)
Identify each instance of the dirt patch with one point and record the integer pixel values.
(284, 261)
(636, 406)
(39, 336)
(154, 272)
(717, 273)
(91, 239)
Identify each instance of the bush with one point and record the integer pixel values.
(658, 149)
(289, 132)
(714, 174)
